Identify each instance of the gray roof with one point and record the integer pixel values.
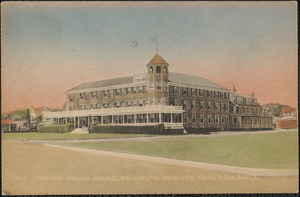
(173, 77)
(104, 83)
(243, 95)
(197, 80)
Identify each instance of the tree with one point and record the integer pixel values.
(272, 109)
(28, 117)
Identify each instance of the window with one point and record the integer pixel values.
(134, 103)
(166, 100)
(185, 118)
(158, 69)
(94, 106)
(82, 95)
(71, 98)
(209, 106)
(217, 119)
(196, 91)
(234, 120)
(150, 69)
(82, 107)
(201, 119)
(94, 94)
(158, 86)
(194, 118)
(225, 107)
(105, 105)
(175, 101)
(201, 105)
(184, 104)
(133, 90)
(117, 92)
(151, 86)
(175, 91)
(216, 106)
(193, 104)
(105, 93)
(165, 70)
(216, 94)
(193, 91)
(117, 104)
(128, 103)
(184, 91)
(200, 92)
(144, 89)
(165, 87)
(222, 119)
(209, 119)
(158, 101)
(208, 93)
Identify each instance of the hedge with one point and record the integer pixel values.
(21, 131)
(150, 129)
(65, 128)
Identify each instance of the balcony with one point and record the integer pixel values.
(116, 111)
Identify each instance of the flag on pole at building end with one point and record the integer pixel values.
(154, 39)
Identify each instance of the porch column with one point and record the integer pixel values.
(101, 119)
(159, 117)
(147, 117)
(78, 122)
(171, 118)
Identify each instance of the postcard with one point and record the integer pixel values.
(149, 97)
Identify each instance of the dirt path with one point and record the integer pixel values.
(231, 169)
(30, 169)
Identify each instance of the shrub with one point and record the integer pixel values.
(150, 129)
(65, 128)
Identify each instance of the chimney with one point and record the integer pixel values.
(252, 94)
(234, 90)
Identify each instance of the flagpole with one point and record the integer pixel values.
(157, 44)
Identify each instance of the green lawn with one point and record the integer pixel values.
(267, 151)
(66, 136)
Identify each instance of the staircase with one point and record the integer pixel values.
(80, 130)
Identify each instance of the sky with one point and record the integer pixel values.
(48, 48)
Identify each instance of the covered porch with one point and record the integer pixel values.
(170, 116)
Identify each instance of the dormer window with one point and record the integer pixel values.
(94, 94)
(71, 98)
(158, 69)
(82, 95)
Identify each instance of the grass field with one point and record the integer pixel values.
(266, 151)
(67, 136)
